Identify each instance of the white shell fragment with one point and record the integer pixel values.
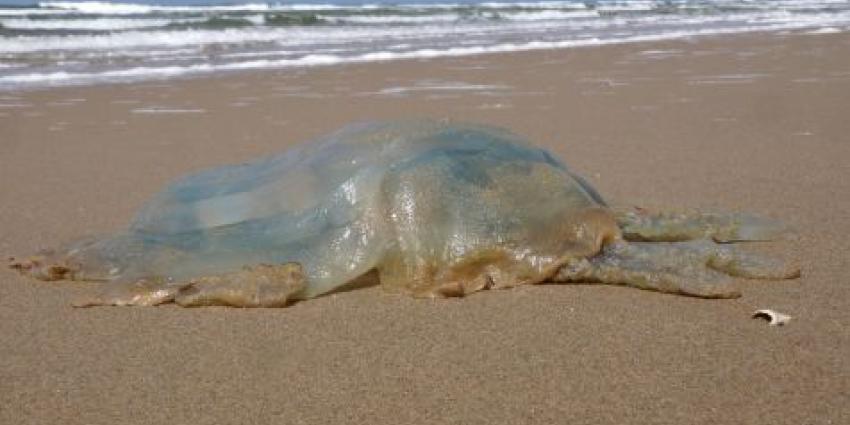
(774, 318)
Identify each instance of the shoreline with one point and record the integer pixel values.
(93, 42)
(696, 37)
(742, 123)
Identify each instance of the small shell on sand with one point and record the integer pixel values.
(774, 318)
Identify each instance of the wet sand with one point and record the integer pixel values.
(755, 123)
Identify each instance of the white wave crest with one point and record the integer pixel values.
(568, 4)
(98, 24)
(136, 39)
(107, 8)
(97, 7)
(392, 19)
(826, 30)
(630, 6)
(201, 37)
(110, 8)
(32, 12)
(546, 15)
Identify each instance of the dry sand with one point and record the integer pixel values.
(755, 123)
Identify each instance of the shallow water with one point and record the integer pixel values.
(62, 43)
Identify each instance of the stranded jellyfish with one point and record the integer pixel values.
(433, 209)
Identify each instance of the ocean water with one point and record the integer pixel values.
(55, 43)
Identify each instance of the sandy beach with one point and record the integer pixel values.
(754, 123)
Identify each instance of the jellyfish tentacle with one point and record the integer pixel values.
(699, 268)
(673, 226)
(42, 267)
(110, 258)
(738, 263)
(143, 292)
(663, 267)
(262, 285)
